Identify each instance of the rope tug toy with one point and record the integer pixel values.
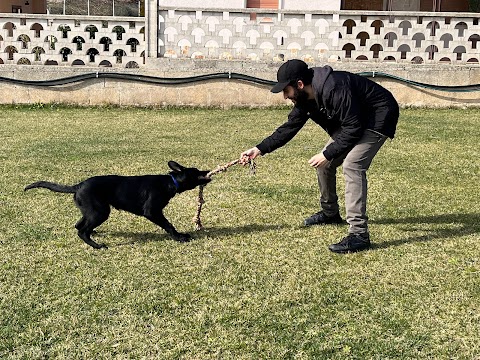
(219, 169)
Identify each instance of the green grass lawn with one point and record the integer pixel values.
(254, 284)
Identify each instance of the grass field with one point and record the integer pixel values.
(254, 284)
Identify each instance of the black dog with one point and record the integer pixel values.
(145, 195)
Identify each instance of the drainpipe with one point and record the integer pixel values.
(151, 28)
(437, 5)
(389, 9)
(281, 5)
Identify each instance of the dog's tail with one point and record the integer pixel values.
(53, 186)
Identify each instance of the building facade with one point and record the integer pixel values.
(23, 6)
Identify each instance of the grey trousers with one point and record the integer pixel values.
(355, 165)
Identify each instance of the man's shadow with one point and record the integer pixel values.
(455, 225)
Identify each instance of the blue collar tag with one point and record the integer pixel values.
(175, 182)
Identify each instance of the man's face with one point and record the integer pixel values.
(295, 94)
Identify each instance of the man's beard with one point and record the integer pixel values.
(300, 97)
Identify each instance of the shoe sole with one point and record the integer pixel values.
(348, 251)
(320, 224)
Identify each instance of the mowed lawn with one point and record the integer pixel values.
(255, 284)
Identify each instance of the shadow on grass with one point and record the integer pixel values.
(196, 235)
(464, 224)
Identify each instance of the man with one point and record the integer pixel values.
(359, 115)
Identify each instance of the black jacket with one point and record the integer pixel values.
(345, 106)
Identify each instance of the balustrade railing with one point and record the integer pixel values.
(249, 35)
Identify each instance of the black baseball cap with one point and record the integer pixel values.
(290, 71)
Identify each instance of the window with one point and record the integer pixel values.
(261, 4)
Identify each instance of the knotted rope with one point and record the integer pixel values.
(218, 169)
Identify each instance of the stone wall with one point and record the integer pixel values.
(433, 48)
(224, 92)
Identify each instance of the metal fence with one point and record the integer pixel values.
(97, 7)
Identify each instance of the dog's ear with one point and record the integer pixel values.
(175, 166)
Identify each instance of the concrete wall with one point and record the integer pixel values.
(223, 93)
(396, 36)
(46, 42)
(400, 37)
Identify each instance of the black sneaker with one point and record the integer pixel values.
(351, 243)
(321, 219)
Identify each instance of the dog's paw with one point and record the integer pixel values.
(183, 237)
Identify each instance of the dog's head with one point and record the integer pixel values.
(188, 178)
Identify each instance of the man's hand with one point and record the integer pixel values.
(249, 154)
(318, 161)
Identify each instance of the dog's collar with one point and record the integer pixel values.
(175, 182)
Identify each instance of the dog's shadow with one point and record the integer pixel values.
(454, 225)
(214, 232)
